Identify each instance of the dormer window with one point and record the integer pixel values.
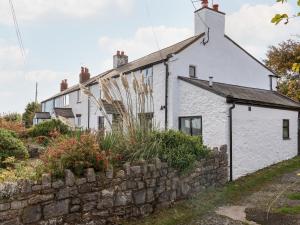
(192, 71)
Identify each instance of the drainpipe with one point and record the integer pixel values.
(230, 136)
(89, 105)
(166, 90)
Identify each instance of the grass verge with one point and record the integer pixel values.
(292, 210)
(186, 211)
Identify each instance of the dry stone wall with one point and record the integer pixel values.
(107, 198)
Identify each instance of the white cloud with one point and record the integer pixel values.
(30, 10)
(143, 41)
(251, 27)
(10, 56)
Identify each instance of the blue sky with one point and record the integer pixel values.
(61, 35)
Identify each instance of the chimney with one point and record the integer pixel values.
(120, 59)
(211, 81)
(63, 85)
(84, 75)
(210, 17)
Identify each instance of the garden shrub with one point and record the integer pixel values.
(11, 146)
(48, 128)
(179, 150)
(14, 126)
(76, 154)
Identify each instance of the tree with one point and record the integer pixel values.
(278, 18)
(280, 59)
(30, 110)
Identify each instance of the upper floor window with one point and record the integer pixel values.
(192, 71)
(148, 76)
(286, 129)
(66, 100)
(78, 96)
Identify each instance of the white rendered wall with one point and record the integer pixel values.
(195, 101)
(257, 138)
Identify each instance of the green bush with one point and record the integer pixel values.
(10, 146)
(179, 150)
(47, 127)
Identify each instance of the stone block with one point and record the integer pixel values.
(32, 214)
(135, 171)
(75, 208)
(63, 193)
(4, 206)
(122, 198)
(56, 209)
(146, 210)
(18, 204)
(57, 184)
(40, 198)
(80, 181)
(150, 195)
(46, 181)
(157, 163)
(90, 175)
(139, 197)
(109, 173)
(69, 178)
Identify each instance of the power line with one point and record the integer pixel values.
(153, 31)
(193, 3)
(18, 33)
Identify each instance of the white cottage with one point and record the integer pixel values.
(205, 85)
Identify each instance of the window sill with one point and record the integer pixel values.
(286, 139)
(78, 102)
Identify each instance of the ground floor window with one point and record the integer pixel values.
(191, 125)
(286, 129)
(101, 123)
(146, 120)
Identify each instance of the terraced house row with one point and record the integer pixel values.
(205, 85)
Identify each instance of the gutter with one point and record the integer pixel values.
(230, 100)
(89, 105)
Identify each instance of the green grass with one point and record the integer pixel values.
(289, 210)
(186, 211)
(294, 196)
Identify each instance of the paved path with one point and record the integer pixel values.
(273, 194)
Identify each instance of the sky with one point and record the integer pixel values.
(60, 36)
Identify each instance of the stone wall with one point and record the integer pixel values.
(106, 198)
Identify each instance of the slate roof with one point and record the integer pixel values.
(151, 59)
(110, 109)
(64, 112)
(246, 95)
(42, 115)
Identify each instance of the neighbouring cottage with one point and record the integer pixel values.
(205, 85)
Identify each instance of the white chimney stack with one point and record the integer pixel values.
(210, 17)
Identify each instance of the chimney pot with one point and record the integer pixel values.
(118, 52)
(84, 75)
(63, 85)
(204, 3)
(122, 53)
(216, 7)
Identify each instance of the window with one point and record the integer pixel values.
(286, 129)
(117, 124)
(148, 76)
(191, 125)
(101, 123)
(146, 120)
(66, 100)
(78, 120)
(78, 96)
(192, 71)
